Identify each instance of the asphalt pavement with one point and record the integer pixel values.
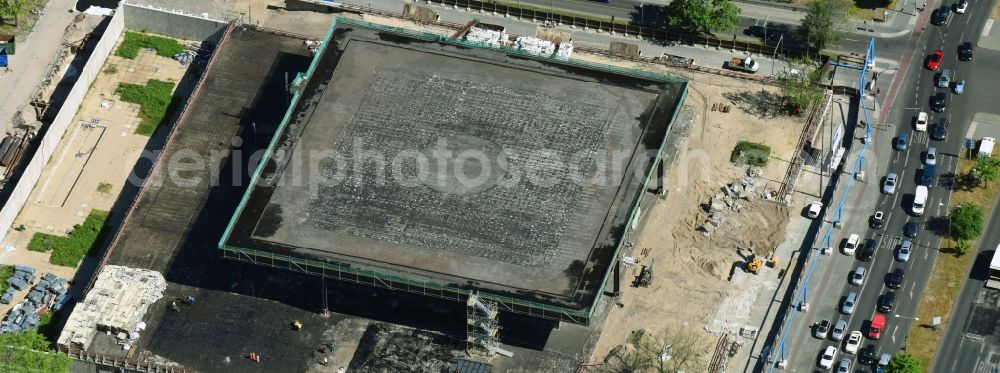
(909, 96)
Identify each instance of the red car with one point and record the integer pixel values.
(877, 326)
(934, 60)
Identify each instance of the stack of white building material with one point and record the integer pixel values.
(117, 303)
(535, 45)
(491, 38)
(564, 51)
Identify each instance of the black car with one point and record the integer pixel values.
(886, 302)
(868, 355)
(868, 251)
(875, 221)
(895, 279)
(911, 229)
(939, 102)
(965, 51)
(940, 131)
(941, 15)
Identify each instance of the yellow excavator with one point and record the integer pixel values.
(754, 264)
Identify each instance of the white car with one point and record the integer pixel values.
(931, 157)
(815, 209)
(858, 277)
(852, 244)
(826, 359)
(853, 343)
(921, 124)
(961, 7)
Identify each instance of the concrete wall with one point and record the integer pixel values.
(170, 23)
(56, 130)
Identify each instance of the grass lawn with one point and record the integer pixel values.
(948, 275)
(69, 250)
(5, 272)
(135, 41)
(156, 102)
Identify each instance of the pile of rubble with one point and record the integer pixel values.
(492, 38)
(728, 199)
(116, 305)
(535, 45)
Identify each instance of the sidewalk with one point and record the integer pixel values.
(703, 55)
(34, 54)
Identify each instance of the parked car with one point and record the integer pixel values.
(920, 124)
(889, 187)
(934, 60)
(853, 343)
(895, 279)
(821, 329)
(939, 102)
(911, 229)
(826, 358)
(815, 209)
(839, 329)
(851, 245)
(903, 255)
(858, 277)
(931, 156)
(959, 87)
(965, 51)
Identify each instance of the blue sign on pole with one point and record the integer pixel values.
(970, 144)
(3, 57)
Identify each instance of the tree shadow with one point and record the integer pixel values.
(937, 225)
(649, 15)
(762, 103)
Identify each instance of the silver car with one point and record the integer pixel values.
(849, 303)
(931, 157)
(845, 365)
(858, 277)
(839, 329)
(890, 183)
(959, 87)
(904, 251)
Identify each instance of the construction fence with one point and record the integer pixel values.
(47, 146)
(626, 28)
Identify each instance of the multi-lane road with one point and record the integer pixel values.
(912, 96)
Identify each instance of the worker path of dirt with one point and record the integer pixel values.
(689, 289)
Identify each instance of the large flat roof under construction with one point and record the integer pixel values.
(470, 168)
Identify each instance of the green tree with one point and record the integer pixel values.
(966, 221)
(825, 23)
(702, 16)
(904, 363)
(963, 247)
(799, 85)
(987, 168)
(12, 9)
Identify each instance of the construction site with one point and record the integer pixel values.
(379, 194)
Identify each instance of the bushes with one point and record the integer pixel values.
(966, 221)
(68, 251)
(155, 100)
(134, 41)
(752, 153)
(5, 272)
(22, 352)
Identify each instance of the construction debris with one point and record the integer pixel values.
(116, 304)
(492, 38)
(728, 199)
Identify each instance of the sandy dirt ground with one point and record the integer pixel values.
(100, 146)
(690, 286)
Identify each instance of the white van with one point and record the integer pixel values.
(986, 147)
(919, 200)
